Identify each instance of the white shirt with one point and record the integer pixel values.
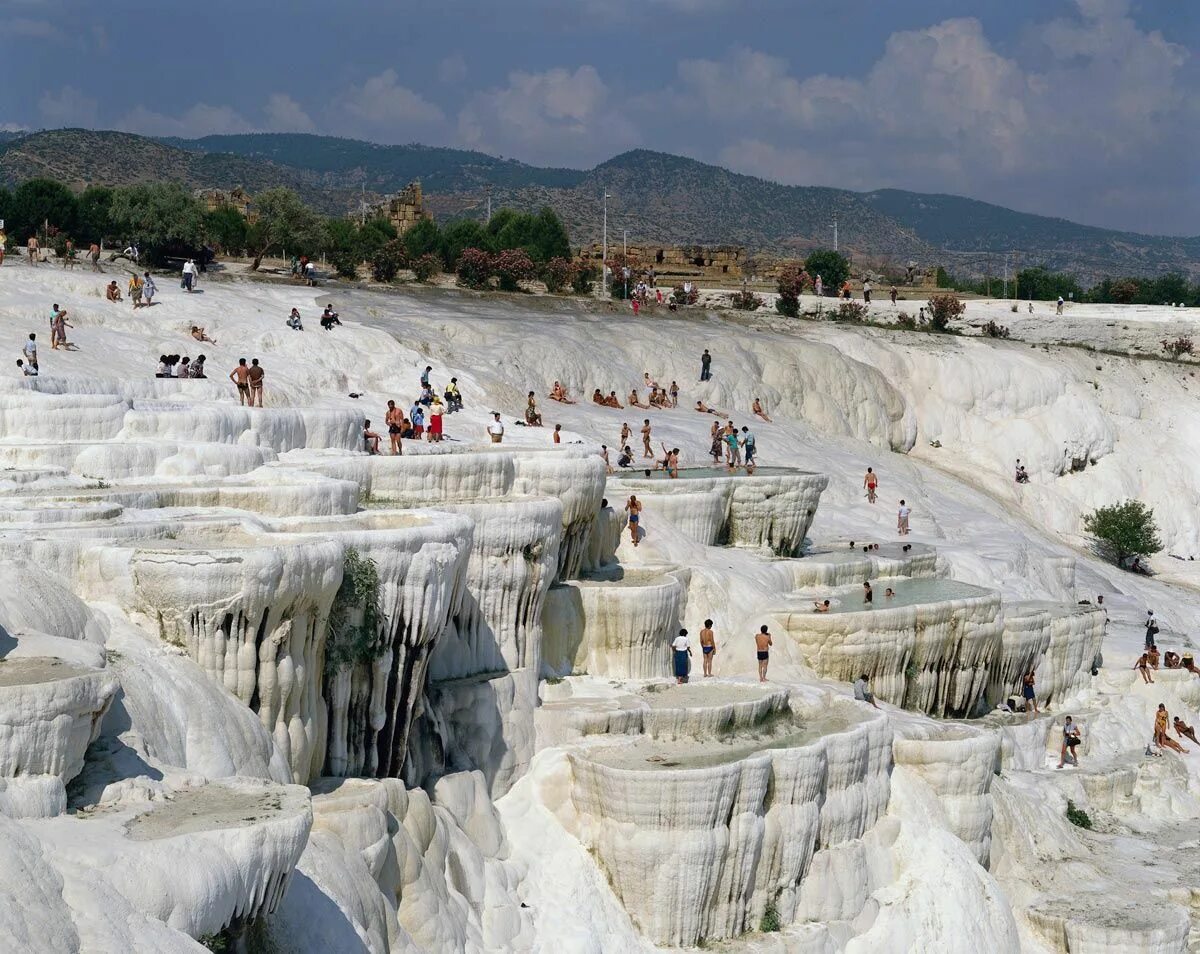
(495, 428)
(904, 511)
(31, 350)
(31, 372)
(680, 644)
(188, 268)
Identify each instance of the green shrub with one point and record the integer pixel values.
(942, 310)
(388, 260)
(1078, 817)
(833, 267)
(855, 311)
(1123, 530)
(771, 921)
(352, 635)
(746, 300)
(474, 268)
(584, 279)
(557, 274)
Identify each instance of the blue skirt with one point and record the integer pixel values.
(681, 663)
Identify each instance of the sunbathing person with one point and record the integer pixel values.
(757, 408)
(705, 409)
(613, 401)
(1161, 739)
(1170, 660)
(559, 393)
(113, 292)
(821, 607)
(199, 334)
(634, 401)
(1183, 730)
(597, 397)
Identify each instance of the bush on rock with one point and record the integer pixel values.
(1124, 531)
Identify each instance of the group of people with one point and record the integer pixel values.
(174, 366)
(141, 288)
(737, 446)
(681, 652)
(423, 420)
(249, 382)
(28, 364)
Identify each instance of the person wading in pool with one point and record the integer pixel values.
(708, 646)
(762, 645)
(634, 507)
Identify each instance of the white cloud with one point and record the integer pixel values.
(67, 106)
(284, 114)
(382, 107)
(453, 69)
(554, 116)
(193, 122)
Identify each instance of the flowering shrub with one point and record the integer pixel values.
(943, 309)
(474, 268)
(427, 266)
(790, 285)
(1179, 347)
(852, 311)
(746, 300)
(557, 274)
(387, 260)
(512, 266)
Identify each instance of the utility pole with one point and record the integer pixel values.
(1006, 274)
(363, 205)
(835, 237)
(625, 258)
(604, 248)
(489, 205)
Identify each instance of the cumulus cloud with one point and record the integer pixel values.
(284, 114)
(191, 123)
(558, 115)
(1089, 101)
(453, 69)
(67, 106)
(382, 107)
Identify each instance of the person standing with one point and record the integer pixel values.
(871, 482)
(1029, 694)
(135, 291)
(94, 257)
(893, 294)
(1058, 310)
(394, 419)
(902, 516)
(762, 647)
(32, 248)
(682, 652)
(189, 275)
(819, 287)
(705, 366)
(866, 291)
(674, 392)
(149, 290)
(436, 410)
(496, 428)
(708, 646)
(256, 375)
(240, 376)
(647, 450)
(1069, 741)
(30, 350)
(634, 508)
(1151, 629)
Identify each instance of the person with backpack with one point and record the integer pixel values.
(1151, 629)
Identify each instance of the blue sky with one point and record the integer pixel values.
(1087, 109)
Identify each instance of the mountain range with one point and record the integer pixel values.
(654, 197)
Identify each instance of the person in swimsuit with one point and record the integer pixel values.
(674, 392)
(395, 426)
(889, 594)
(370, 438)
(757, 408)
(613, 401)
(597, 397)
(256, 374)
(634, 508)
(1161, 739)
(608, 467)
(532, 417)
(1028, 693)
(868, 594)
(647, 450)
(1143, 666)
(708, 646)
(821, 607)
(559, 393)
(113, 292)
(671, 461)
(1070, 740)
(762, 646)
(1184, 731)
(634, 400)
(241, 377)
(682, 655)
(871, 482)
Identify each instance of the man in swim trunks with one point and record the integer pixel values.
(241, 377)
(821, 607)
(757, 408)
(1183, 730)
(647, 451)
(94, 256)
(256, 383)
(634, 508)
(613, 401)
(871, 482)
(370, 438)
(708, 646)
(395, 425)
(762, 645)
(1028, 693)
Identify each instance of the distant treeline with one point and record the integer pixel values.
(1043, 285)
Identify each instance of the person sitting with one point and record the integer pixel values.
(705, 409)
(197, 368)
(29, 370)
(612, 400)
(634, 401)
(1152, 656)
(1170, 660)
(597, 397)
(113, 291)
(453, 397)
(329, 318)
(1189, 664)
(658, 398)
(294, 321)
(370, 439)
(532, 417)
(757, 408)
(426, 397)
(626, 458)
(1185, 731)
(164, 367)
(559, 393)
(185, 368)
(649, 383)
(199, 334)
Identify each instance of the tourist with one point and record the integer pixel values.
(201, 335)
(1028, 693)
(394, 420)
(674, 392)
(27, 369)
(613, 401)
(149, 289)
(626, 433)
(197, 369)
(496, 428)
(436, 412)
(256, 375)
(135, 291)
(748, 448)
(329, 318)
(634, 400)
(58, 329)
(866, 291)
(597, 397)
(705, 409)
(241, 377)
(370, 438)
(682, 649)
(1161, 739)
(705, 366)
(294, 322)
(649, 383)
(757, 409)
(559, 393)
(625, 458)
(889, 594)
(33, 249)
(733, 450)
(185, 368)
(1152, 657)
(671, 461)
(417, 414)
(113, 292)
(1070, 739)
(846, 290)
(893, 294)
(871, 482)
(608, 467)
(862, 690)
(708, 646)
(821, 606)
(634, 508)
(1143, 666)
(868, 593)
(1151, 628)
(647, 451)
(425, 376)
(189, 275)
(1170, 660)
(557, 435)
(94, 256)
(902, 516)
(636, 306)
(532, 417)
(30, 351)
(453, 397)
(819, 287)
(762, 646)
(1058, 310)
(1183, 730)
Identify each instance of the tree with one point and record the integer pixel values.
(474, 268)
(37, 203)
(1046, 285)
(459, 235)
(548, 237)
(95, 214)
(387, 260)
(1124, 530)
(226, 229)
(165, 219)
(557, 274)
(584, 278)
(790, 284)
(373, 235)
(512, 266)
(422, 239)
(427, 266)
(283, 220)
(833, 267)
(341, 246)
